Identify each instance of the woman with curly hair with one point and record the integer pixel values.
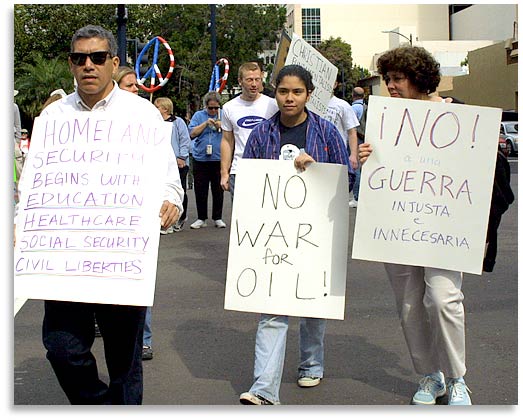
(429, 300)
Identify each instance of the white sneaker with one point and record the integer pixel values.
(167, 231)
(246, 398)
(220, 223)
(308, 381)
(353, 203)
(198, 224)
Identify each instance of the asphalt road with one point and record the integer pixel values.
(203, 355)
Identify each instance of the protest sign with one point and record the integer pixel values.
(281, 56)
(88, 227)
(426, 189)
(288, 241)
(322, 70)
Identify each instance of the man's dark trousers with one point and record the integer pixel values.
(68, 335)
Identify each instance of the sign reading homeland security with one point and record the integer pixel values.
(87, 227)
(322, 70)
(288, 240)
(426, 189)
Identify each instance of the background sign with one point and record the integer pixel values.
(88, 225)
(281, 55)
(322, 70)
(426, 189)
(289, 238)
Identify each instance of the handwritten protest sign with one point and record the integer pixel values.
(322, 70)
(289, 237)
(88, 226)
(425, 191)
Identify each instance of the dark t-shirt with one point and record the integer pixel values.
(293, 139)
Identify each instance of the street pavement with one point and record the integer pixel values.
(203, 354)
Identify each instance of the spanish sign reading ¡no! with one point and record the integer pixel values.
(88, 226)
(288, 240)
(426, 189)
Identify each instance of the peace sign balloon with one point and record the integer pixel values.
(154, 71)
(218, 83)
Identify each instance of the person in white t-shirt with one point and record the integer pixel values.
(240, 115)
(341, 114)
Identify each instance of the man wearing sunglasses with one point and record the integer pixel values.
(68, 327)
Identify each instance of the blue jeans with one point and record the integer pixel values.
(271, 339)
(356, 189)
(147, 332)
(232, 179)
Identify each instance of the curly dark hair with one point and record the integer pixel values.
(416, 63)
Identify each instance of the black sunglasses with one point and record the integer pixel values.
(213, 107)
(97, 57)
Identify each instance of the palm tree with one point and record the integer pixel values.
(36, 80)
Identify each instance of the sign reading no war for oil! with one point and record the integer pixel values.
(288, 240)
(426, 189)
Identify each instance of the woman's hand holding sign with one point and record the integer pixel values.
(364, 151)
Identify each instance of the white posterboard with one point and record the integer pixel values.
(322, 70)
(426, 189)
(88, 225)
(288, 241)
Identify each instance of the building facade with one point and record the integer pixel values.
(459, 36)
(492, 79)
(363, 25)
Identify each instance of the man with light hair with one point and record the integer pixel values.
(240, 115)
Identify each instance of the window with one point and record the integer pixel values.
(311, 26)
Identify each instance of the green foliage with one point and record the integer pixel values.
(36, 80)
(48, 28)
(241, 30)
(358, 73)
(186, 29)
(42, 37)
(339, 53)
